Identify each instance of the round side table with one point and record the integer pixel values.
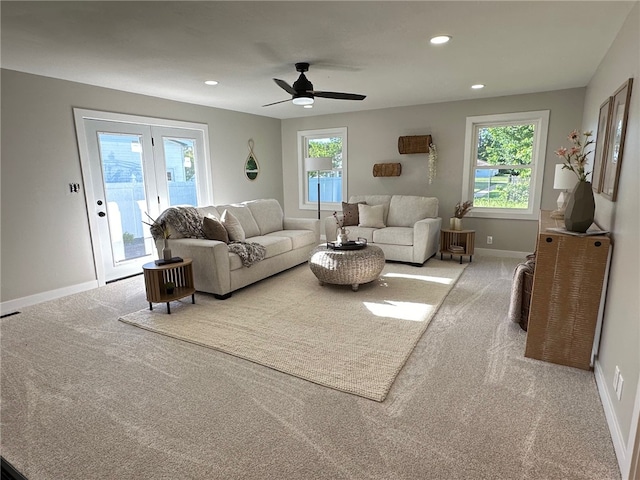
(158, 280)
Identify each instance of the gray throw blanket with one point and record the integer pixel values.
(184, 219)
(515, 305)
(248, 252)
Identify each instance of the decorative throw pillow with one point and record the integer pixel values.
(213, 229)
(371, 215)
(234, 229)
(350, 213)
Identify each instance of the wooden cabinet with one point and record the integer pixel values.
(567, 287)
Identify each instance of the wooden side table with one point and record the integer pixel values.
(463, 239)
(157, 276)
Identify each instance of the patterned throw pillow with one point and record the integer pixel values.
(350, 213)
(234, 229)
(214, 230)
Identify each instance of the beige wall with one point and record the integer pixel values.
(373, 138)
(45, 232)
(620, 341)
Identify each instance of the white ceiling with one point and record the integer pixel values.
(379, 49)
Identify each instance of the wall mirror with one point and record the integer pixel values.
(251, 166)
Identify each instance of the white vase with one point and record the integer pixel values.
(455, 223)
(342, 235)
(166, 251)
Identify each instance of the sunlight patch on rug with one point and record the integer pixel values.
(355, 342)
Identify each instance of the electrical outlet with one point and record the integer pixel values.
(489, 240)
(619, 389)
(616, 377)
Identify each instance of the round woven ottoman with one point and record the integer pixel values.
(346, 267)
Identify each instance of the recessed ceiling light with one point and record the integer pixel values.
(211, 82)
(440, 39)
(477, 86)
(307, 106)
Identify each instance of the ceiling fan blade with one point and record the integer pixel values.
(275, 103)
(285, 86)
(339, 95)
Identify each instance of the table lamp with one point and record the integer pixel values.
(564, 180)
(318, 164)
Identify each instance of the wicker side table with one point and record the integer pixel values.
(346, 267)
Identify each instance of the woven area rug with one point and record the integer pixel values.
(356, 342)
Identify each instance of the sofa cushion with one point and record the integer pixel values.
(244, 216)
(209, 211)
(214, 229)
(374, 200)
(394, 235)
(267, 214)
(371, 215)
(406, 210)
(355, 233)
(234, 229)
(299, 238)
(350, 214)
(273, 244)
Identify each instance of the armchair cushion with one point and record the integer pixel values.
(406, 210)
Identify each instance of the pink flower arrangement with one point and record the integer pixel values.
(575, 158)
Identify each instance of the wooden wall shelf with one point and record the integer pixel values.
(414, 144)
(387, 170)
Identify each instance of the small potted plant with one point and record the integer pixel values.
(169, 287)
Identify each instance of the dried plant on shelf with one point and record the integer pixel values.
(433, 159)
(463, 208)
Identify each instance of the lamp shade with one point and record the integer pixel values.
(318, 164)
(564, 179)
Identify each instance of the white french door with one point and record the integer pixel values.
(133, 170)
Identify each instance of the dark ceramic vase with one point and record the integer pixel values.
(581, 208)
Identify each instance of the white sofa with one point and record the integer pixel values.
(288, 242)
(412, 227)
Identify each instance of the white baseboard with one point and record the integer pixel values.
(490, 252)
(612, 421)
(12, 306)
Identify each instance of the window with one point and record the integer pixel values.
(333, 183)
(504, 164)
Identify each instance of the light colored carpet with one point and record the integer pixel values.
(355, 342)
(84, 396)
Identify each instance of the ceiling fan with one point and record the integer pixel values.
(302, 92)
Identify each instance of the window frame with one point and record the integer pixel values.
(540, 120)
(303, 194)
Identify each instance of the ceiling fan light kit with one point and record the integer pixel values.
(303, 100)
(302, 92)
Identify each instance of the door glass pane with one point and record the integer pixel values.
(121, 159)
(180, 161)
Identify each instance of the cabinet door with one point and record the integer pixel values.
(568, 281)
